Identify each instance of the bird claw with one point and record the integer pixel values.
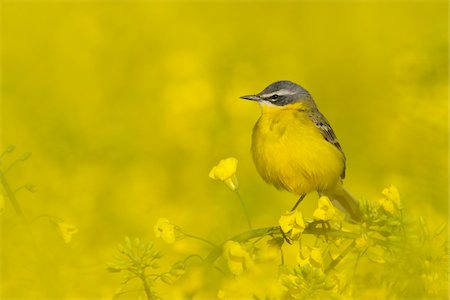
(324, 226)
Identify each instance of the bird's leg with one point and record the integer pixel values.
(288, 240)
(298, 202)
(324, 227)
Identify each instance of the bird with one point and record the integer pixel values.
(294, 147)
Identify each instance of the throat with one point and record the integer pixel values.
(267, 107)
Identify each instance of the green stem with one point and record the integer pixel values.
(39, 217)
(147, 289)
(215, 253)
(11, 165)
(275, 230)
(12, 198)
(340, 257)
(200, 239)
(193, 256)
(244, 208)
(18, 189)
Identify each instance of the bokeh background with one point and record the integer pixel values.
(126, 106)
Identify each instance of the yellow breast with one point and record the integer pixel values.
(290, 152)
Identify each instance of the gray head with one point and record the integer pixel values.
(281, 93)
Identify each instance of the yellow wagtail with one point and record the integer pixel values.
(294, 147)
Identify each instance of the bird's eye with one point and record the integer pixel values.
(274, 97)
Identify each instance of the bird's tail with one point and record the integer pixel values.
(343, 200)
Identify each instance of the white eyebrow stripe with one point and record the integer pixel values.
(282, 92)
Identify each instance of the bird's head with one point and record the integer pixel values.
(282, 94)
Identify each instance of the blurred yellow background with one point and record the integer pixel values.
(127, 105)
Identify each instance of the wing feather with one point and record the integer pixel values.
(325, 128)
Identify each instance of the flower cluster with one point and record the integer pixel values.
(135, 256)
(308, 282)
(322, 267)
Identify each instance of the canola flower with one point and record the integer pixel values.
(310, 255)
(390, 200)
(325, 210)
(375, 243)
(165, 230)
(308, 282)
(292, 224)
(66, 230)
(135, 258)
(237, 257)
(225, 171)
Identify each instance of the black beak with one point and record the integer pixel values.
(251, 97)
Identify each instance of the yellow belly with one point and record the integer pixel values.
(290, 153)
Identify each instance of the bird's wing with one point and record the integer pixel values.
(325, 128)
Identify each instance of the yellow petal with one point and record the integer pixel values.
(165, 230)
(299, 220)
(287, 221)
(224, 170)
(319, 214)
(387, 205)
(303, 256)
(235, 250)
(67, 230)
(292, 223)
(325, 210)
(316, 257)
(236, 268)
(391, 193)
(237, 257)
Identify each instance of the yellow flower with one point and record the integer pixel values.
(66, 230)
(310, 255)
(292, 224)
(303, 256)
(165, 230)
(315, 257)
(325, 210)
(226, 171)
(387, 205)
(390, 200)
(392, 194)
(237, 257)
